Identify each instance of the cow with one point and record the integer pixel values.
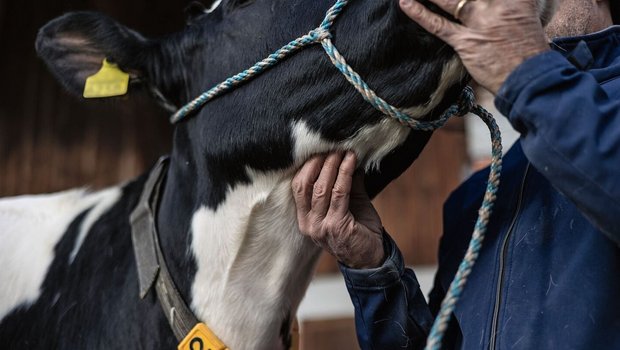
(226, 221)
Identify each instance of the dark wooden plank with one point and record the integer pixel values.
(50, 141)
(328, 334)
(411, 207)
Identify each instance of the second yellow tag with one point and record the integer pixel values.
(201, 338)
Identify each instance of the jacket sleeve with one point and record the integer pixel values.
(570, 131)
(390, 309)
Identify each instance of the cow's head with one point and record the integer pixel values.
(256, 124)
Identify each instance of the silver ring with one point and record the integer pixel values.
(459, 7)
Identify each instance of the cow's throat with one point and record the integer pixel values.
(253, 265)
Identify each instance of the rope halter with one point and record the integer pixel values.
(465, 104)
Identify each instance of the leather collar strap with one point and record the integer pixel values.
(152, 269)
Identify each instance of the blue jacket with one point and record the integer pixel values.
(548, 276)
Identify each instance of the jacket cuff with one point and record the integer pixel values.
(525, 74)
(378, 278)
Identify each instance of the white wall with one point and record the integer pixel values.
(327, 297)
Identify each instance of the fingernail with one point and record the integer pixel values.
(350, 155)
(405, 3)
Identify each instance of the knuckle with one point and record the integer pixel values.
(301, 188)
(339, 192)
(346, 170)
(436, 25)
(319, 190)
(333, 160)
(296, 185)
(411, 9)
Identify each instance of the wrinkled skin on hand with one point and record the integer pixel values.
(334, 210)
(493, 38)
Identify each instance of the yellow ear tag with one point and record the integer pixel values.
(201, 338)
(109, 81)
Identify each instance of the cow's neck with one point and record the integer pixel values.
(242, 265)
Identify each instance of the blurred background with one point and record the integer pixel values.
(50, 141)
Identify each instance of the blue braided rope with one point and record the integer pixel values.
(484, 213)
(464, 105)
(315, 36)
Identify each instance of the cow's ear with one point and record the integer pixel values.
(75, 45)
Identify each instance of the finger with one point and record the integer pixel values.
(321, 195)
(341, 193)
(303, 184)
(432, 22)
(450, 6)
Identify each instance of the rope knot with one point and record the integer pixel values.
(320, 34)
(466, 102)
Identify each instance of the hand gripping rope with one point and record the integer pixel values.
(465, 104)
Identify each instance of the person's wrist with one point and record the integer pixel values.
(371, 257)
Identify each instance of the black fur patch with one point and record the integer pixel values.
(92, 303)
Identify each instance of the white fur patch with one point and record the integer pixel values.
(30, 228)
(250, 247)
(371, 144)
(215, 5)
(246, 252)
(105, 200)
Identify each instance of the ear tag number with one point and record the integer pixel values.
(109, 81)
(201, 338)
(196, 344)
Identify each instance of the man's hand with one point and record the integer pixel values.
(334, 210)
(494, 37)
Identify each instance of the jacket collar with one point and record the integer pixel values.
(594, 52)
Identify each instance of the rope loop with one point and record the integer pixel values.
(466, 103)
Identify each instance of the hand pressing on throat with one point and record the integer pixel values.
(334, 210)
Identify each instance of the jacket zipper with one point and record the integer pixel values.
(502, 263)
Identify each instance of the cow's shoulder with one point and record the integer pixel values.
(71, 267)
(31, 227)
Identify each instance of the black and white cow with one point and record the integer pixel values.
(227, 224)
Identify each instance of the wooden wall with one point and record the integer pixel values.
(411, 207)
(49, 141)
(328, 334)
